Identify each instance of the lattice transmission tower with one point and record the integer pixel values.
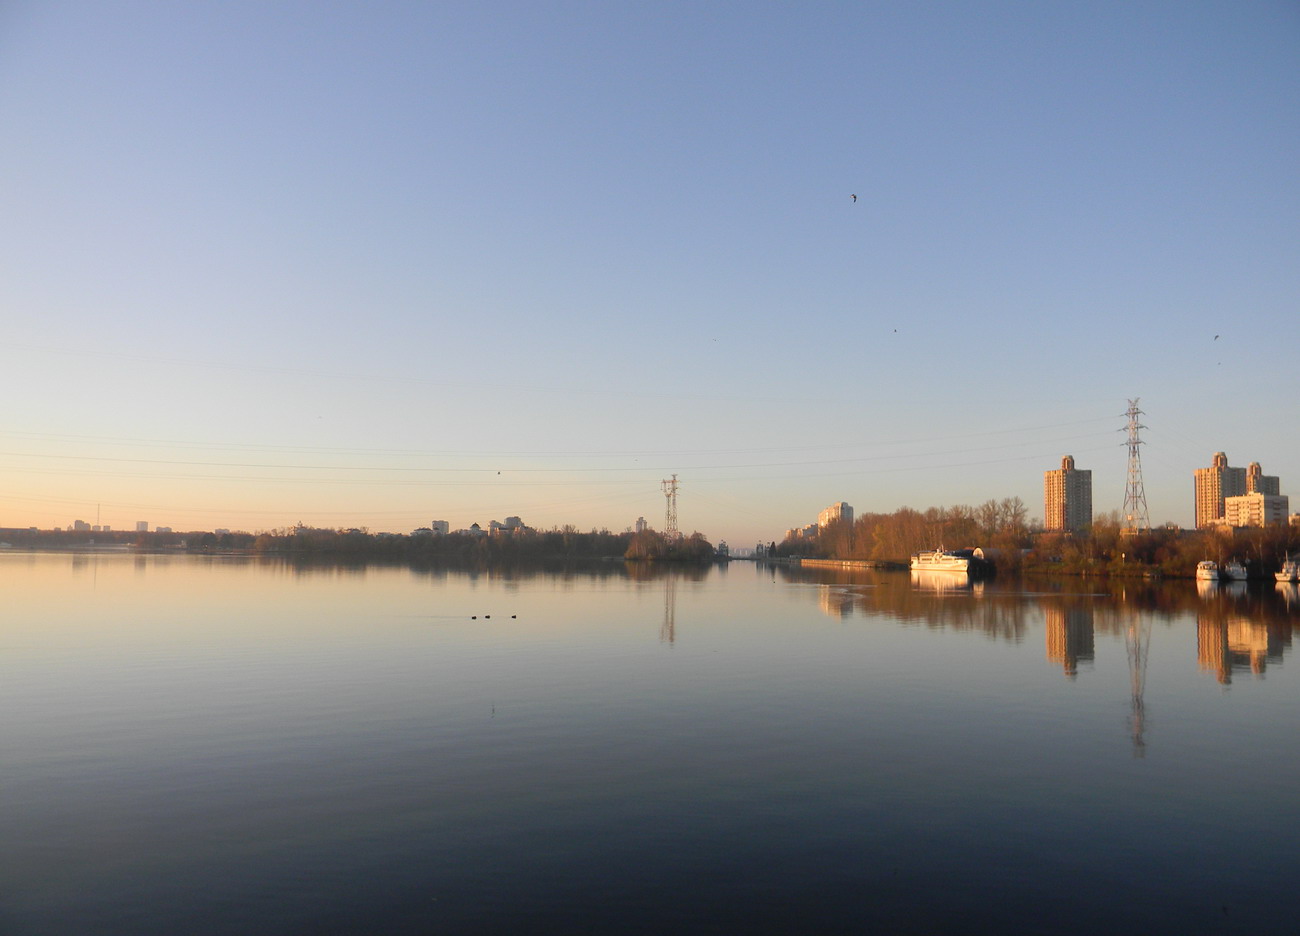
(1135, 497)
(670, 519)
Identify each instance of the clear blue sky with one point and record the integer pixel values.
(379, 263)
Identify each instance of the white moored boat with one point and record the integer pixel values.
(1207, 570)
(1290, 571)
(942, 560)
(1234, 571)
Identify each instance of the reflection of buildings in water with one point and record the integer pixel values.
(1212, 648)
(1235, 643)
(835, 602)
(1069, 637)
(1250, 642)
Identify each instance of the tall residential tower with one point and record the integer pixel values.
(1211, 485)
(1067, 497)
(834, 512)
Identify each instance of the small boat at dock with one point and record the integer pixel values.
(1207, 570)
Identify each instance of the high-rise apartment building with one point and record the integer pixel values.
(1259, 483)
(1211, 485)
(1067, 497)
(834, 512)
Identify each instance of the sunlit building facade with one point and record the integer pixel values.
(1256, 510)
(1259, 483)
(835, 512)
(1212, 485)
(1067, 497)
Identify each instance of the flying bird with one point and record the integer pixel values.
(854, 197)
(1216, 337)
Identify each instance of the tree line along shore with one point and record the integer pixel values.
(562, 543)
(1001, 527)
(1003, 530)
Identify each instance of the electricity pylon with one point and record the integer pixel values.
(1135, 497)
(670, 520)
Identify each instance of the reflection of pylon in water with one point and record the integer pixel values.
(1137, 640)
(669, 630)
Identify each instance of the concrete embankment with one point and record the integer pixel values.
(848, 563)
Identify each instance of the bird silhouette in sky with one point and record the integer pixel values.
(1216, 337)
(855, 198)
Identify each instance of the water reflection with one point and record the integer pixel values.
(932, 581)
(277, 740)
(668, 631)
(1137, 643)
(835, 602)
(1241, 627)
(1227, 643)
(1069, 636)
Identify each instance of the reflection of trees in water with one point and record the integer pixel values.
(1001, 616)
(1074, 608)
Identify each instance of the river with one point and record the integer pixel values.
(225, 745)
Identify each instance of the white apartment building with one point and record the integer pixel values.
(1256, 510)
(834, 512)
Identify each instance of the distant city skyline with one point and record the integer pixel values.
(361, 266)
(1067, 505)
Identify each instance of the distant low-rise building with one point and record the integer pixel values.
(142, 526)
(440, 527)
(1256, 510)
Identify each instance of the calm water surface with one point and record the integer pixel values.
(196, 745)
